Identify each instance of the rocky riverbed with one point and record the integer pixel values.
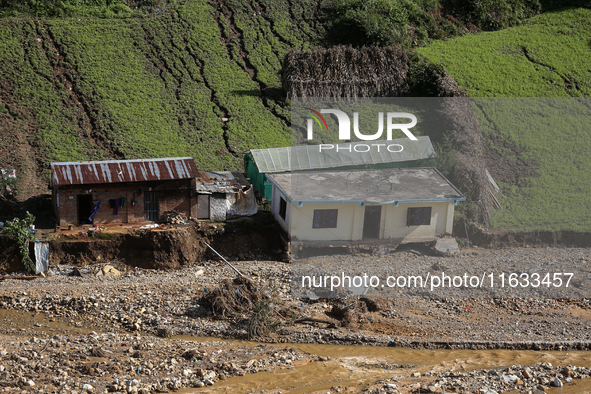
(137, 300)
(87, 312)
(537, 379)
(115, 362)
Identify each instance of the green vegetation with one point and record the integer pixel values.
(499, 14)
(18, 230)
(543, 144)
(70, 8)
(552, 136)
(546, 57)
(386, 22)
(114, 79)
(197, 80)
(416, 22)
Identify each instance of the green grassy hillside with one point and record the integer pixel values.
(198, 80)
(548, 56)
(103, 79)
(538, 149)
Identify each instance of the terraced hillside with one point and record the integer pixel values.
(538, 149)
(199, 80)
(202, 78)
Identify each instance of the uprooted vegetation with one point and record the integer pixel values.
(242, 297)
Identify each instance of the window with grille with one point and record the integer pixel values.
(419, 216)
(325, 218)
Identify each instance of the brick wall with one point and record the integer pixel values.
(172, 195)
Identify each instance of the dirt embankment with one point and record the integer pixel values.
(480, 237)
(160, 249)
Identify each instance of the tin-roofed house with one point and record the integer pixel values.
(123, 191)
(224, 194)
(396, 153)
(398, 205)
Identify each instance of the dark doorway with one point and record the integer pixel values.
(85, 206)
(371, 223)
(151, 206)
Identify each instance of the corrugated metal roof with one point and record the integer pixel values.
(116, 171)
(308, 157)
(220, 182)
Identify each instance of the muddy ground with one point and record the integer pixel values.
(169, 246)
(108, 305)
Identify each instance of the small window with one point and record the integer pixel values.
(325, 218)
(282, 207)
(418, 216)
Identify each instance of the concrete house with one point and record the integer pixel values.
(344, 156)
(123, 191)
(398, 205)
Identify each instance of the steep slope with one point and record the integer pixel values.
(538, 149)
(201, 80)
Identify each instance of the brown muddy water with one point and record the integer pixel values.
(354, 367)
(41, 323)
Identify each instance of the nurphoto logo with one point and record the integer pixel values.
(344, 129)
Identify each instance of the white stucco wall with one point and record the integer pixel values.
(351, 217)
(275, 199)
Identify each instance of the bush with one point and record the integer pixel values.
(423, 77)
(389, 22)
(7, 189)
(498, 14)
(381, 22)
(18, 230)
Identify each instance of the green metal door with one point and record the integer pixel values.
(151, 206)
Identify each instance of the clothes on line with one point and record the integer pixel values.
(116, 203)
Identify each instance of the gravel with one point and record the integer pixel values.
(114, 321)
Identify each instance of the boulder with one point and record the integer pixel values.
(446, 246)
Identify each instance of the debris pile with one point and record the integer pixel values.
(348, 311)
(234, 297)
(174, 217)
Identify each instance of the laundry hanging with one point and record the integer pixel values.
(94, 211)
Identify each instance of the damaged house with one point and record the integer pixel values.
(134, 191)
(397, 205)
(222, 195)
(123, 191)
